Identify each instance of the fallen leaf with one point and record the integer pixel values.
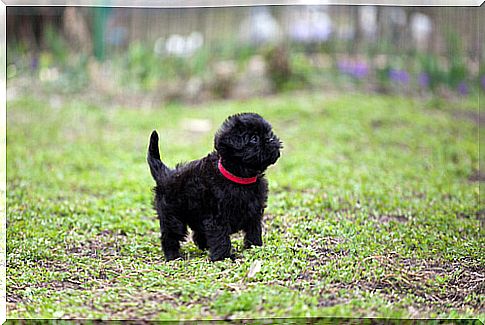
(254, 268)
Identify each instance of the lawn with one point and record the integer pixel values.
(373, 211)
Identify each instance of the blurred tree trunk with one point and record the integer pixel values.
(76, 30)
(358, 33)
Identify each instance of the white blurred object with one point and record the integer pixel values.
(175, 44)
(48, 74)
(421, 28)
(368, 21)
(197, 125)
(260, 27)
(179, 45)
(311, 25)
(195, 40)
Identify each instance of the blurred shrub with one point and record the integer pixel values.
(56, 45)
(382, 79)
(199, 62)
(432, 72)
(58, 67)
(458, 70)
(142, 67)
(302, 71)
(278, 66)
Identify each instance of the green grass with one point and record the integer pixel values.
(373, 211)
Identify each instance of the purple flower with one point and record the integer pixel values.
(34, 63)
(482, 82)
(357, 69)
(360, 70)
(399, 76)
(423, 80)
(463, 88)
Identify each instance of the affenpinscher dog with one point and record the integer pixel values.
(220, 194)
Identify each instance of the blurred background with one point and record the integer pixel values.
(146, 57)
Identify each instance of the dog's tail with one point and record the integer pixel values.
(157, 167)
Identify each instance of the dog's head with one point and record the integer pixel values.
(247, 140)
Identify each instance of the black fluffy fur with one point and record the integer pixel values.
(197, 195)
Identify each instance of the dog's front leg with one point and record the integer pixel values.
(218, 241)
(253, 233)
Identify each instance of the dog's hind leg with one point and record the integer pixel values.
(199, 239)
(171, 236)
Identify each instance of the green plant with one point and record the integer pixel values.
(57, 46)
(431, 66)
(142, 67)
(457, 71)
(303, 71)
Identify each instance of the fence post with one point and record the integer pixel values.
(100, 17)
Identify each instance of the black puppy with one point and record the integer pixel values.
(220, 194)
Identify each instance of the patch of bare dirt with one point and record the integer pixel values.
(438, 283)
(61, 285)
(14, 297)
(322, 251)
(386, 218)
(476, 176)
(106, 243)
(478, 215)
(132, 305)
(17, 294)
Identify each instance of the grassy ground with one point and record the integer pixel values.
(373, 211)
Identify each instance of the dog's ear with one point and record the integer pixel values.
(228, 143)
(228, 138)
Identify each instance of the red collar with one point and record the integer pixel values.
(235, 179)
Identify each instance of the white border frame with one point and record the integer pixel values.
(145, 4)
(238, 3)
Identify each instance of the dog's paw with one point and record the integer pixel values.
(232, 256)
(215, 258)
(235, 256)
(173, 256)
(248, 244)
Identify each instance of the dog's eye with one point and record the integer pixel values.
(254, 139)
